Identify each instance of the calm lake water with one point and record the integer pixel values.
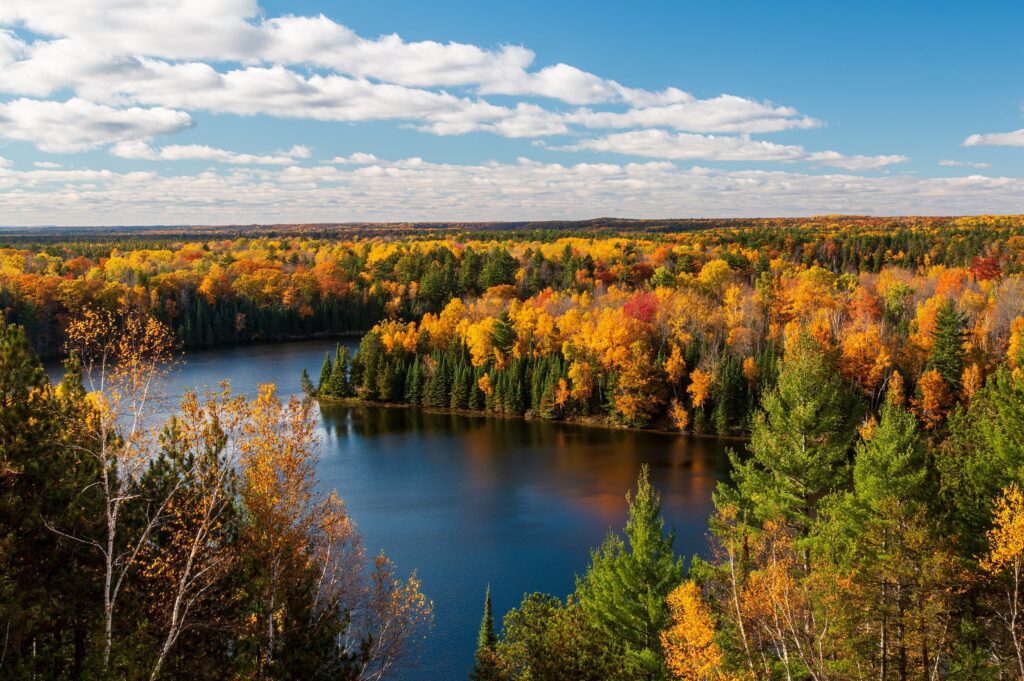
(471, 501)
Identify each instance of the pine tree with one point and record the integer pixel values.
(628, 580)
(800, 442)
(883, 536)
(486, 666)
(948, 344)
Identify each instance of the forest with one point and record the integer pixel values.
(872, 525)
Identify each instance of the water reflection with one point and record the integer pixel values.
(472, 500)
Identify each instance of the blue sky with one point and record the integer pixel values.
(156, 111)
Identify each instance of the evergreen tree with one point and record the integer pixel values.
(503, 336)
(628, 580)
(338, 383)
(46, 481)
(325, 372)
(948, 338)
(880, 533)
(983, 454)
(485, 668)
(307, 384)
(800, 441)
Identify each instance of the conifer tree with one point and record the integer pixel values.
(325, 372)
(948, 344)
(306, 384)
(628, 580)
(880, 533)
(503, 336)
(485, 667)
(337, 384)
(800, 442)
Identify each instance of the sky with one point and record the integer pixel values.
(136, 112)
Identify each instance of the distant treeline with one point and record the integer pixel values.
(243, 284)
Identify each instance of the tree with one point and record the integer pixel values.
(325, 372)
(486, 666)
(123, 359)
(800, 441)
(1004, 562)
(192, 554)
(546, 639)
(948, 338)
(44, 484)
(900, 575)
(983, 454)
(338, 383)
(306, 384)
(626, 585)
(691, 652)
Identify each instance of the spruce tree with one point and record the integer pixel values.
(628, 580)
(948, 344)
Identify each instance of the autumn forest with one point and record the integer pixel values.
(868, 372)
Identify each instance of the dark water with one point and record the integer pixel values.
(471, 501)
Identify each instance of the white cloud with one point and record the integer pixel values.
(161, 53)
(690, 147)
(139, 150)
(414, 189)
(358, 158)
(1001, 139)
(46, 164)
(946, 163)
(724, 113)
(80, 125)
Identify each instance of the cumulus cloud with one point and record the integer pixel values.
(1000, 139)
(139, 150)
(415, 189)
(160, 53)
(690, 147)
(80, 125)
(947, 163)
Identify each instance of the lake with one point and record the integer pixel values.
(469, 501)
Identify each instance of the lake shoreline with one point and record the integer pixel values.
(587, 422)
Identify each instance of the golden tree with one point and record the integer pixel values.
(123, 360)
(1004, 562)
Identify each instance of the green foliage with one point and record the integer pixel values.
(948, 337)
(544, 639)
(800, 442)
(983, 453)
(625, 588)
(306, 384)
(485, 667)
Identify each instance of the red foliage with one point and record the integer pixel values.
(641, 306)
(985, 268)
